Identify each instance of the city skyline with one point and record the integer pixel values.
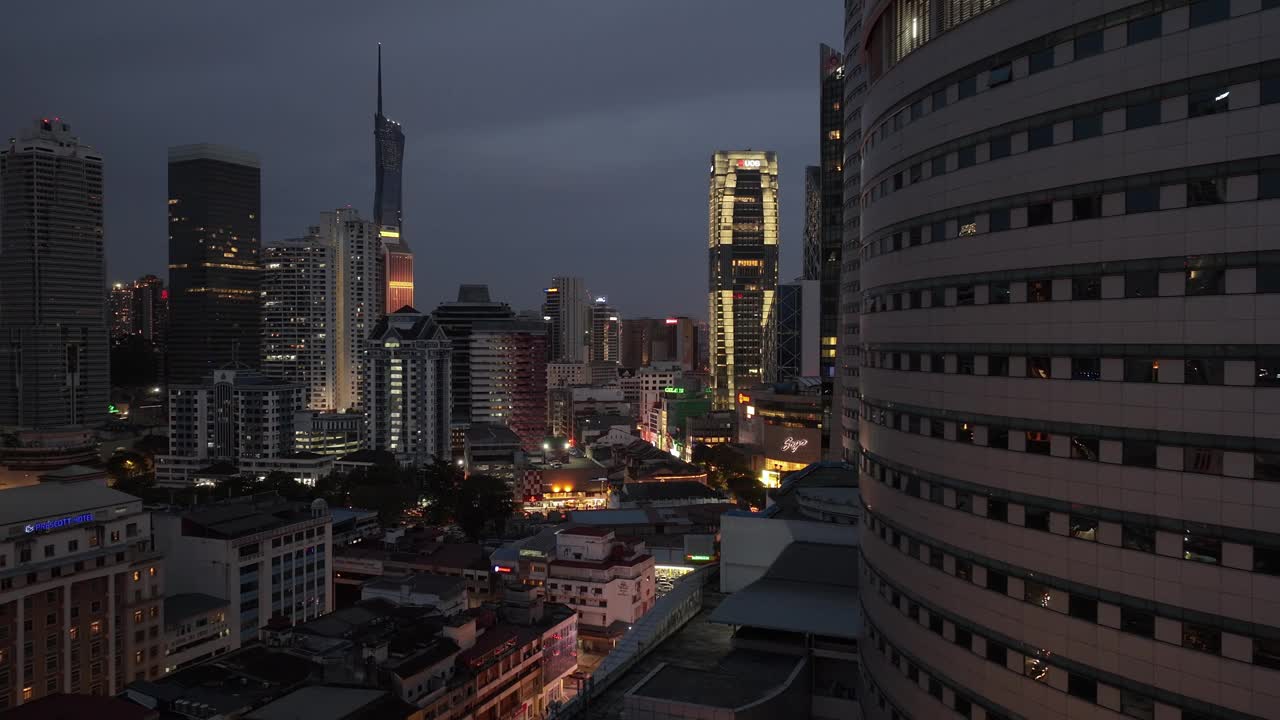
(317, 157)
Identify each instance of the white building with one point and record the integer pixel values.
(235, 416)
(81, 592)
(610, 582)
(407, 388)
(642, 387)
(266, 556)
(568, 374)
(360, 296)
(298, 316)
(1069, 291)
(195, 629)
(447, 594)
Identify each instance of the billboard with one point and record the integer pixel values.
(792, 445)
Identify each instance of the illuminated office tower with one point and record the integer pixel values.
(388, 158)
(407, 396)
(567, 308)
(743, 240)
(299, 316)
(605, 332)
(53, 322)
(1071, 359)
(508, 384)
(215, 195)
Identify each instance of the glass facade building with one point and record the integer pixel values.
(743, 270)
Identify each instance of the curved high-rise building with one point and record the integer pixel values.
(1070, 346)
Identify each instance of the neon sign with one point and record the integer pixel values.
(672, 321)
(59, 523)
(676, 390)
(792, 445)
(743, 398)
(749, 164)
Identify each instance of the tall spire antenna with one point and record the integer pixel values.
(379, 78)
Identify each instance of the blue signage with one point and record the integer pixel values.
(59, 523)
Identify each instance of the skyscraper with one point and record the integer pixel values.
(798, 321)
(456, 319)
(360, 297)
(149, 310)
(1070, 287)
(407, 393)
(743, 230)
(388, 159)
(509, 377)
(845, 395)
(605, 331)
(299, 316)
(215, 221)
(120, 311)
(830, 211)
(646, 341)
(53, 324)
(567, 308)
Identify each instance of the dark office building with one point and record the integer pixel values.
(215, 220)
(53, 324)
(456, 319)
(830, 211)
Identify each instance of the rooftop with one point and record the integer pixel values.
(587, 531)
(740, 678)
(422, 583)
(491, 434)
(815, 584)
(318, 702)
(77, 707)
(671, 490)
(242, 516)
(43, 500)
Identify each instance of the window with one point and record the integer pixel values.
(999, 75)
(935, 688)
(1266, 653)
(1086, 127)
(1083, 528)
(1141, 283)
(1037, 443)
(1083, 607)
(917, 110)
(998, 293)
(1143, 371)
(1084, 448)
(1086, 369)
(1040, 137)
(914, 173)
(1201, 637)
(1144, 29)
(1086, 208)
(968, 87)
(1205, 281)
(1036, 518)
(1142, 200)
(1088, 45)
(967, 156)
(935, 560)
(997, 581)
(997, 653)
(1138, 622)
(1082, 687)
(998, 220)
(1206, 192)
(964, 501)
(998, 365)
(964, 295)
(1202, 371)
(1039, 291)
(963, 638)
(1142, 115)
(1269, 90)
(938, 232)
(1140, 453)
(964, 571)
(1000, 147)
(963, 706)
(1208, 102)
(1266, 560)
(937, 429)
(938, 166)
(1201, 548)
(998, 510)
(1040, 61)
(1266, 466)
(1134, 704)
(915, 235)
(998, 437)
(937, 364)
(1039, 367)
(1204, 12)
(1138, 537)
(897, 183)
(1040, 214)
(1206, 461)
(1034, 668)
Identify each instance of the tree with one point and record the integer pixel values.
(132, 472)
(280, 483)
(747, 490)
(479, 500)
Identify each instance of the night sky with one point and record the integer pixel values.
(543, 137)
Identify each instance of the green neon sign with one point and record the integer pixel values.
(676, 390)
